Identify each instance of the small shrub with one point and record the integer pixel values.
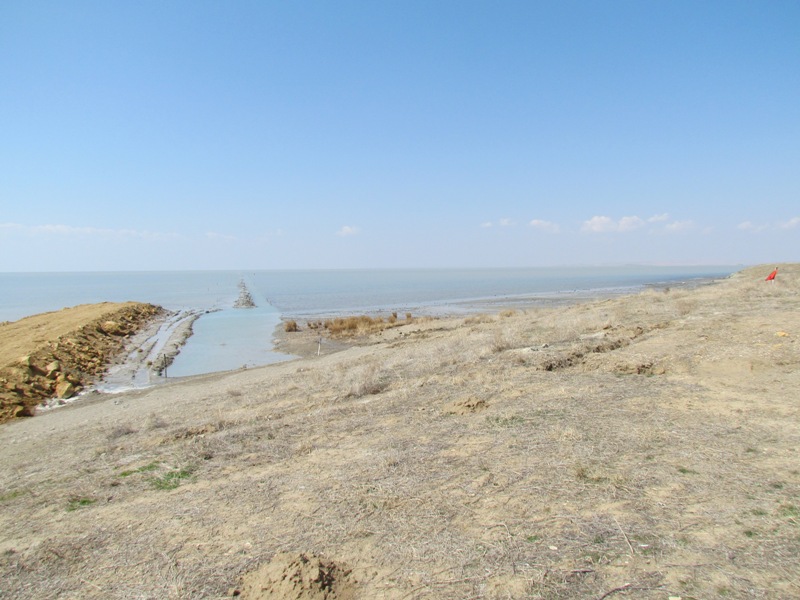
(353, 325)
(120, 431)
(586, 475)
(367, 381)
(291, 327)
(155, 421)
(500, 343)
(477, 320)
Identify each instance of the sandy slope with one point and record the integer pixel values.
(639, 447)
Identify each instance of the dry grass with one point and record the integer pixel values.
(361, 325)
(453, 464)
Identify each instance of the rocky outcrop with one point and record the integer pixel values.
(245, 300)
(61, 367)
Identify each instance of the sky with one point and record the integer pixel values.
(155, 135)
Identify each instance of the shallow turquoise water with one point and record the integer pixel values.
(229, 339)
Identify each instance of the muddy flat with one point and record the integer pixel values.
(635, 447)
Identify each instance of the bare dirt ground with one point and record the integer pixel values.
(638, 447)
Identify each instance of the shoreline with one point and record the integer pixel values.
(308, 343)
(148, 353)
(647, 441)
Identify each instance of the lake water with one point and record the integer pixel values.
(230, 338)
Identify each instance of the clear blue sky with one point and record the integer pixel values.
(205, 135)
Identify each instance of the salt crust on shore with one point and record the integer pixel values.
(643, 446)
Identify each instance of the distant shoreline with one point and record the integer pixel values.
(301, 293)
(153, 349)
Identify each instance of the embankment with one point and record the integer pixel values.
(59, 353)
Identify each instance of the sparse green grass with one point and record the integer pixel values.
(78, 502)
(790, 511)
(171, 479)
(532, 539)
(499, 421)
(6, 496)
(686, 471)
(145, 469)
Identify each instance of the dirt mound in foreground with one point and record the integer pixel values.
(300, 576)
(55, 355)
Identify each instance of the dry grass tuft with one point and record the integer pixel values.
(361, 325)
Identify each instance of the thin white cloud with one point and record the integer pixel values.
(679, 226)
(790, 224)
(758, 227)
(599, 224)
(347, 230)
(630, 223)
(658, 218)
(506, 222)
(603, 224)
(547, 226)
(750, 226)
(486, 224)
